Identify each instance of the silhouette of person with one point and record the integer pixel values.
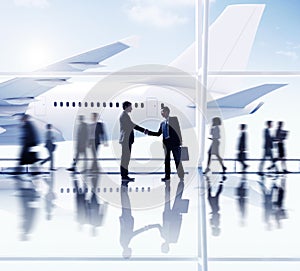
(81, 203)
(242, 146)
(96, 209)
(214, 148)
(172, 217)
(126, 139)
(280, 137)
(242, 194)
(172, 141)
(50, 146)
(28, 196)
(97, 135)
(215, 207)
(29, 139)
(279, 211)
(268, 146)
(127, 222)
(50, 196)
(81, 142)
(268, 201)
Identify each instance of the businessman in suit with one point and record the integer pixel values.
(127, 139)
(97, 135)
(172, 142)
(268, 146)
(242, 146)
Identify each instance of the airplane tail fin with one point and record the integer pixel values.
(231, 38)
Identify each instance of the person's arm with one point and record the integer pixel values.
(139, 128)
(158, 133)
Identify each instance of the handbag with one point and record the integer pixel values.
(185, 154)
(29, 158)
(50, 146)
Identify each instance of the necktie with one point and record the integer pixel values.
(165, 130)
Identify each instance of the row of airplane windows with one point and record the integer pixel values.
(105, 189)
(93, 104)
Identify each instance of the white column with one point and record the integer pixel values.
(201, 47)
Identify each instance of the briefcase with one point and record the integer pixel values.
(185, 154)
(29, 158)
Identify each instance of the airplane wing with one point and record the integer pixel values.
(235, 104)
(16, 94)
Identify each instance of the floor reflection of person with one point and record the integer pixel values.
(278, 203)
(242, 194)
(96, 209)
(81, 203)
(28, 198)
(127, 231)
(50, 196)
(267, 201)
(172, 217)
(215, 207)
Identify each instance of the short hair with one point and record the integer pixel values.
(95, 115)
(243, 126)
(25, 117)
(166, 109)
(126, 104)
(269, 122)
(48, 126)
(216, 121)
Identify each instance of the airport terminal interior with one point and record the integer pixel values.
(87, 220)
(228, 218)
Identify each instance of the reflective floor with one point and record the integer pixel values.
(63, 217)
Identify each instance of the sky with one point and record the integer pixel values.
(35, 33)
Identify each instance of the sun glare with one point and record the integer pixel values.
(37, 56)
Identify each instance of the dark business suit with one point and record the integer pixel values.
(242, 149)
(171, 144)
(100, 134)
(81, 144)
(268, 146)
(126, 140)
(29, 139)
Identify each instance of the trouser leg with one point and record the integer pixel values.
(167, 162)
(125, 158)
(176, 151)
